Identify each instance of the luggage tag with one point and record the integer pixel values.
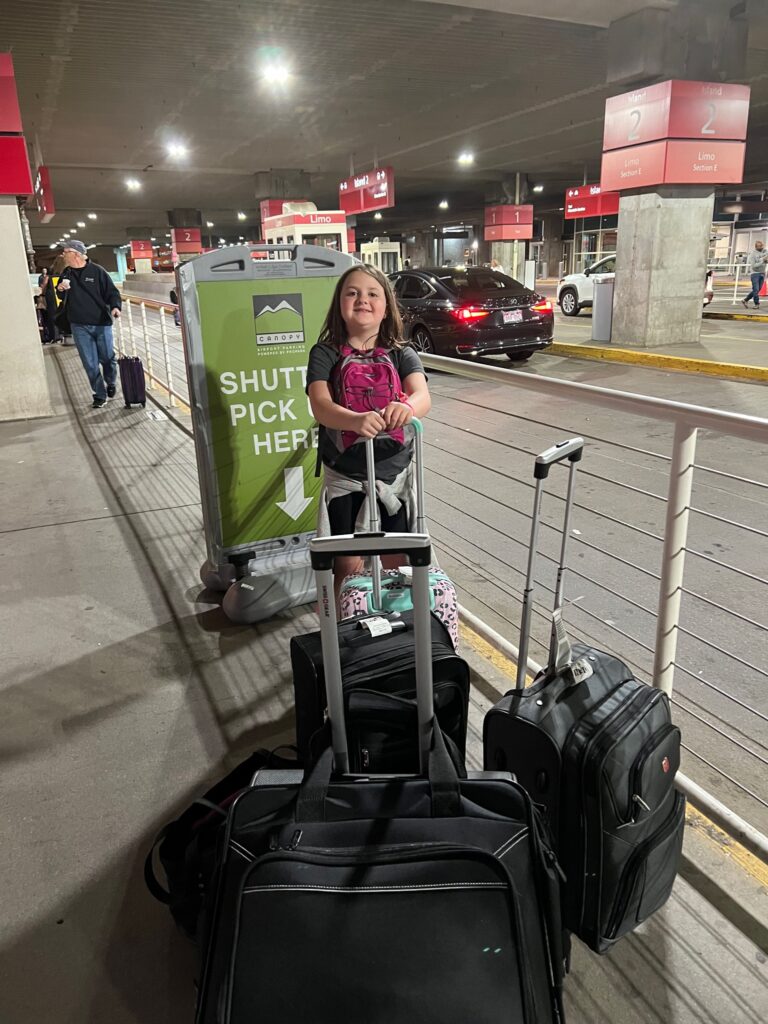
(406, 575)
(376, 625)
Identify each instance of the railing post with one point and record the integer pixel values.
(166, 357)
(131, 336)
(147, 349)
(736, 285)
(673, 554)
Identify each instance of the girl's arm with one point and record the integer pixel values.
(419, 402)
(336, 417)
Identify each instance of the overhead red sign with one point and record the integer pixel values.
(10, 115)
(321, 218)
(141, 250)
(673, 162)
(15, 175)
(508, 232)
(678, 110)
(508, 214)
(590, 201)
(372, 190)
(186, 240)
(44, 195)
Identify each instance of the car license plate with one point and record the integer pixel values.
(512, 316)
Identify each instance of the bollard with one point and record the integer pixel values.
(166, 357)
(147, 349)
(131, 337)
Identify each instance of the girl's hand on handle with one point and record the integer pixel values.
(370, 424)
(396, 415)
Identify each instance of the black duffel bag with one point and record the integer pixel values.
(186, 847)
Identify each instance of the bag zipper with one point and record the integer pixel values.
(637, 769)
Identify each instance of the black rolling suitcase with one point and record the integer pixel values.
(379, 676)
(429, 898)
(597, 749)
(132, 381)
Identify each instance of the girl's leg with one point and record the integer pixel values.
(343, 566)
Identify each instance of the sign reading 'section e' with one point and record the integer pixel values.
(680, 133)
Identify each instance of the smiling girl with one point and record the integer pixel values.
(363, 326)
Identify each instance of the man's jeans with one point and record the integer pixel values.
(97, 352)
(757, 284)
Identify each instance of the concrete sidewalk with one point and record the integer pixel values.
(124, 689)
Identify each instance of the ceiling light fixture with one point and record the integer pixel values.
(240, 215)
(92, 216)
(177, 150)
(276, 74)
(377, 216)
(538, 188)
(66, 234)
(132, 184)
(153, 239)
(222, 241)
(466, 158)
(81, 223)
(443, 204)
(52, 245)
(475, 243)
(209, 224)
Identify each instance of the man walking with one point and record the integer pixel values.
(756, 269)
(92, 302)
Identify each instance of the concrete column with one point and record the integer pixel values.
(663, 238)
(23, 384)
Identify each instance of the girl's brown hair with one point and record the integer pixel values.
(334, 331)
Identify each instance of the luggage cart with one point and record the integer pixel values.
(249, 316)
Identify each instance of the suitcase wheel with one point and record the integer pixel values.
(127, 405)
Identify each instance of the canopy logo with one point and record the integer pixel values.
(279, 319)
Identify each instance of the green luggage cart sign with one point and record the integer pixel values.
(256, 337)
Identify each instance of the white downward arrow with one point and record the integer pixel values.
(295, 502)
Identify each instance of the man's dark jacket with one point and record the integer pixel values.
(92, 295)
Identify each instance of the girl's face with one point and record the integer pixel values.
(363, 304)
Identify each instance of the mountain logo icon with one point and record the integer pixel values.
(279, 319)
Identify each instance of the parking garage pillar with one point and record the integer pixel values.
(23, 383)
(661, 261)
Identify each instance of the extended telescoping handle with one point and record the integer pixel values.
(373, 505)
(571, 450)
(418, 548)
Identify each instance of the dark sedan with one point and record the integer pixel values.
(471, 312)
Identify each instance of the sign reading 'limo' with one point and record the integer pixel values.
(372, 190)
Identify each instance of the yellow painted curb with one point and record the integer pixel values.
(658, 361)
(487, 651)
(717, 314)
(748, 862)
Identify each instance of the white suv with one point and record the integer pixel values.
(576, 290)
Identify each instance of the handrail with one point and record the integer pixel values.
(749, 427)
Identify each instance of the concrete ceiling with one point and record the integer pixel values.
(105, 85)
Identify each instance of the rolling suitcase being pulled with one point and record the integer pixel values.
(597, 749)
(132, 381)
(430, 898)
(389, 590)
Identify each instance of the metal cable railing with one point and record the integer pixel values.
(620, 572)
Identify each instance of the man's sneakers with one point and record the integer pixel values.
(745, 304)
(111, 391)
(99, 403)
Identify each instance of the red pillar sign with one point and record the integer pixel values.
(141, 249)
(15, 174)
(681, 133)
(508, 223)
(44, 195)
(187, 240)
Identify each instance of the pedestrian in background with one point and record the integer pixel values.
(756, 262)
(495, 265)
(46, 306)
(92, 302)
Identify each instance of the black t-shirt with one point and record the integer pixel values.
(391, 457)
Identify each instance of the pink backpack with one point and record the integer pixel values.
(362, 382)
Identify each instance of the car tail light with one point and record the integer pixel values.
(545, 306)
(468, 314)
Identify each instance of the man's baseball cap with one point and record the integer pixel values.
(73, 243)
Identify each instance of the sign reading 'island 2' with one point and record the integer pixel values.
(676, 133)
